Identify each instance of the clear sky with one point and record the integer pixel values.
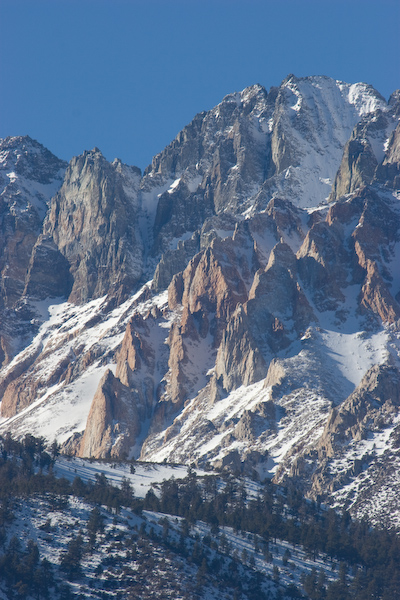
(127, 75)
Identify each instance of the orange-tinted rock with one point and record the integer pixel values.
(112, 424)
(376, 297)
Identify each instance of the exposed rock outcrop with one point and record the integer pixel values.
(124, 401)
(137, 355)
(175, 261)
(372, 404)
(93, 222)
(375, 296)
(113, 422)
(320, 265)
(180, 211)
(388, 173)
(29, 176)
(360, 161)
(48, 273)
(277, 306)
(214, 282)
(372, 153)
(275, 376)
(275, 311)
(239, 360)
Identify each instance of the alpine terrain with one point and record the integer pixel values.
(235, 308)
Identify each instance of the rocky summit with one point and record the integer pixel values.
(236, 306)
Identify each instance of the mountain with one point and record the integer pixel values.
(236, 307)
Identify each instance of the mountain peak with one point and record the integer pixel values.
(224, 310)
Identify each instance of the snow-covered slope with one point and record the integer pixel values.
(138, 553)
(315, 118)
(82, 338)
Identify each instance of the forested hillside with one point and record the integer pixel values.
(208, 536)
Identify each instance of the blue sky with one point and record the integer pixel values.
(126, 76)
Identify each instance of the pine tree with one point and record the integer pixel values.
(71, 561)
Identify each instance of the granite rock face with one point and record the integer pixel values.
(93, 222)
(372, 152)
(387, 172)
(359, 161)
(112, 414)
(239, 360)
(371, 409)
(372, 403)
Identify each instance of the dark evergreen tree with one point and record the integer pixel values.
(71, 561)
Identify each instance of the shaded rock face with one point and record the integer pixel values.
(48, 273)
(276, 302)
(321, 260)
(377, 232)
(174, 261)
(368, 411)
(370, 406)
(29, 176)
(359, 161)
(179, 212)
(239, 360)
(91, 207)
(330, 260)
(388, 173)
(286, 218)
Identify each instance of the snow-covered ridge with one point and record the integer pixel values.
(29, 175)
